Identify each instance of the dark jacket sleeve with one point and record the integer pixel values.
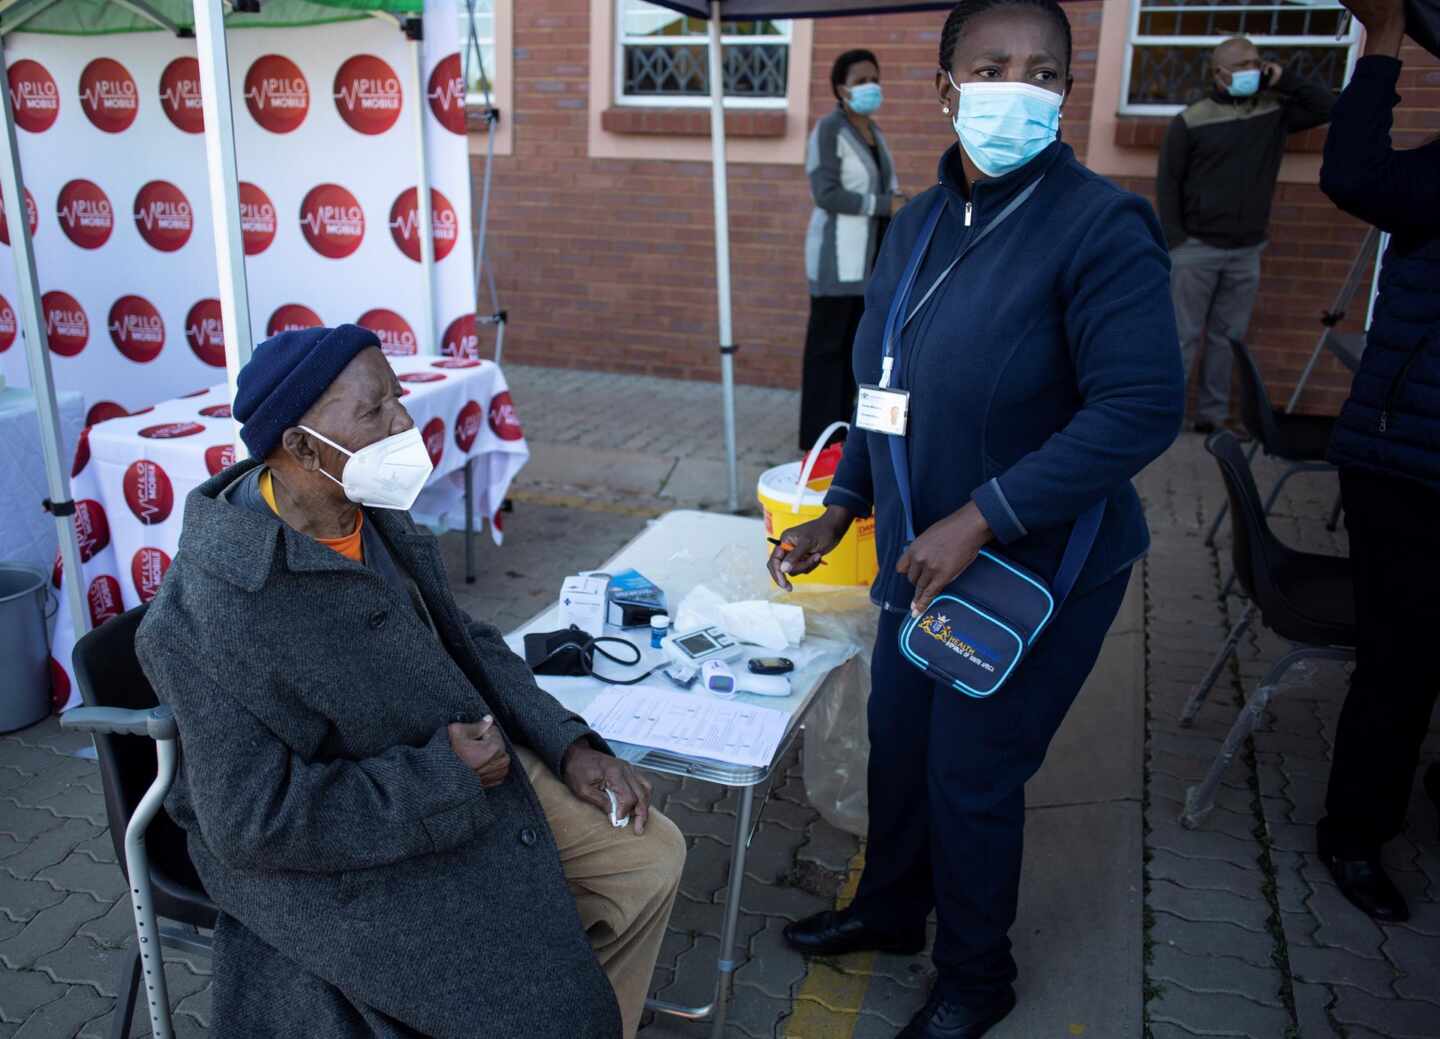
(1121, 332)
(1397, 191)
(530, 715)
(822, 166)
(1307, 103)
(261, 805)
(1170, 181)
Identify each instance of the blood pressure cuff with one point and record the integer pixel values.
(570, 652)
(980, 627)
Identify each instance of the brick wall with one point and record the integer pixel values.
(609, 263)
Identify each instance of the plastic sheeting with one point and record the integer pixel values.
(27, 532)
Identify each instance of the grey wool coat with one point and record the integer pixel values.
(369, 885)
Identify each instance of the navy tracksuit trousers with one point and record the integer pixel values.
(947, 781)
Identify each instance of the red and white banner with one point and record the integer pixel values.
(132, 473)
(110, 132)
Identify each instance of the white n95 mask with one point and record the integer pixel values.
(388, 474)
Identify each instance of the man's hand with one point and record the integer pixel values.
(482, 748)
(943, 553)
(1270, 73)
(589, 773)
(1384, 22)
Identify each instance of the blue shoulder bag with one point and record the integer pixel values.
(975, 633)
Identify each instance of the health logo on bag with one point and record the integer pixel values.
(368, 95)
(258, 220)
(163, 216)
(85, 214)
(108, 95)
(66, 327)
(137, 329)
(332, 221)
(205, 332)
(34, 95)
(276, 93)
(180, 95)
(447, 93)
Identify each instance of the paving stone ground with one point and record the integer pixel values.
(1246, 934)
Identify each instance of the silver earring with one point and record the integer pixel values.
(945, 109)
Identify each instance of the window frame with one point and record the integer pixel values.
(617, 61)
(477, 99)
(1351, 41)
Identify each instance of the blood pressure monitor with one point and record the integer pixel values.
(704, 644)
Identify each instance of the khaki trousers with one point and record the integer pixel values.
(624, 885)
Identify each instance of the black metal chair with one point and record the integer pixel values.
(1301, 440)
(136, 743)
(1305, 598)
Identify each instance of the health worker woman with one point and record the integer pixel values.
(1030, 373)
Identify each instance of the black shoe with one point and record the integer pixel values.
(946, 1017)
(1204, 427)
(1365, 883)
(833, 933)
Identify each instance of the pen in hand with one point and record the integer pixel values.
(789, 548)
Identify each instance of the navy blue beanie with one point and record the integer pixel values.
(286, 375)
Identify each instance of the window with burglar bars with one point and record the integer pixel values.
(662, 58)
(1168, 62)
(477, 49)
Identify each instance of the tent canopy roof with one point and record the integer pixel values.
(97, 17)
(745, 10)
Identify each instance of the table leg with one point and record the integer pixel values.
(726, 965)
(470, 521)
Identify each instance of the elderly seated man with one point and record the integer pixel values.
(404, 834)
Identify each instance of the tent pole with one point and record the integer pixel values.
(37, 353)
(722, 251)
(224, 182)
(425, 232)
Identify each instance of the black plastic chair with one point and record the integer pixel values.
(1301, 440)
(1305, 598)
(136, 743)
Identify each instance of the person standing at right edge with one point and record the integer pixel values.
(1387, 447)
(1217, 175)
(1041, 371)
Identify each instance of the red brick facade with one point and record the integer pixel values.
(609, 263)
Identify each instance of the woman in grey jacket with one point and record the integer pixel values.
(852, 179)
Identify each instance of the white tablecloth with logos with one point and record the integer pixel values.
(132, 473)
(27, 531)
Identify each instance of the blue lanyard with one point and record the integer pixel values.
(893, 324)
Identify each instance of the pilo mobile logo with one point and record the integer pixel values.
(108, 95)
(92, 528)
(276, 93)
(104, 599)
(137, 329)
(290, 317)
(405, 223)
(219, 458)
(368, 94)
(446, 91)
(34, 95)
(163, 216)
(66, 326)
(180, 95)
(434, 434)
(397, 339)
(503, 421)
(461, 338)
(332, 221)
(467, 425)
(148, 492)
(205, 332)
(171, 430)
(85, 214)
(258, 220)
(9, 325)
(32, 215)
(147, 570)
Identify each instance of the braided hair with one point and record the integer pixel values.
(962, 12)
(844, 63)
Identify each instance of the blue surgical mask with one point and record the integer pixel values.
(1245, 83)
(865, 98)
(1002, 126)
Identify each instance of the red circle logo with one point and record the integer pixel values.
(104, 596)
(172, 430)
(180, 95)
(367, 94)
(35, 96)
(9, 325)
(257, 219)
(219, 458)
(276, 93)
(332, 221)
(467, 425)
(290, 317)
(31, 214)
(92, 528)
(148, 492)
(395, 334)
(85, 213)
(136, 329)
(104, 411)
(108, 95)
(147, 570)
(216, 411)
(66, 326)
(205, 332)
(163, 216)
(434, 436)
(503, 421)
(405, 222)
(82, 453)
(57, 573)
(461, 338)
(457, 362)
(447, 93)
(420, 377)
(59, 686)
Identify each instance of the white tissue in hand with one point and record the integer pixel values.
(774, 626)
